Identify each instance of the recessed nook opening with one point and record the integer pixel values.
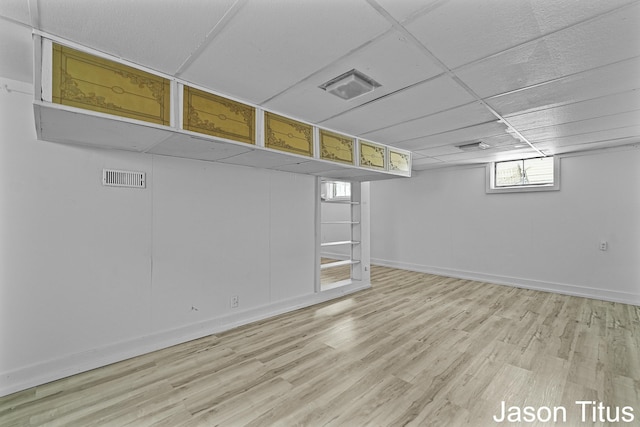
(340, 252)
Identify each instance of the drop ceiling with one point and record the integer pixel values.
(525, 77)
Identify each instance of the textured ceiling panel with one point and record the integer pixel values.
(439, 151)
(503, 141)
(458, 136)
(467, 115)
(426, 161)
(615, 78)
(159, 35)
(600, 42)
(270, 46)
(621, 120)
(476, 29)
(488, 156)
(584, 146)
(607, 135)
(380, 60)
(598, 107)
(407, 10)
(497, 143)
(423, 99)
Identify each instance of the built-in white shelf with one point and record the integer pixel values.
(341, 222)
(341, 202)
(338, 264)
(345, 242)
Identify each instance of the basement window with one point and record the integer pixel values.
(335, 190)
(536, 174)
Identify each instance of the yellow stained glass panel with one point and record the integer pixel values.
(218, 116)
(336, 147)
(398, 161)
(86, 81)
(372, 155)
(288, 135)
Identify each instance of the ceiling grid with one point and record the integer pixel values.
(450, 73)
(217, 29)
(562, 75)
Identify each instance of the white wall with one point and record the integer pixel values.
(90, 275)
(75, 257)
(441, 221)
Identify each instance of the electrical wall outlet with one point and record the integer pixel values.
(604, 245)
(235, 301)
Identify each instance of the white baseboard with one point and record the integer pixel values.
(559, 288)
(51, 370)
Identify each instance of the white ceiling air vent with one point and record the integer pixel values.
(117, 178)
(474, 146)
(350, 85)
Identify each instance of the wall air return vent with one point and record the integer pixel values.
(474, 146)
(118, 178)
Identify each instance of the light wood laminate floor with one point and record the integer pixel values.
(416, 349)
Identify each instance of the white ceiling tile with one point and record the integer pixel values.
(16, 43)
(426, 98)
(590, 109)
(269, 46)
(159, 35)
(498, 143)
(601, 136)
(458, 136)
(615, 78)
(380, 60)
(407, 9)
(456, 118)
(584, 126)
(485, 156)
(607, 40)
(503, 140)
(594, 145)
(439, 151)
(476, 29)
(435, 165)
(425, 161)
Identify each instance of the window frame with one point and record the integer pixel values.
(332, 184)
(490, 171)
